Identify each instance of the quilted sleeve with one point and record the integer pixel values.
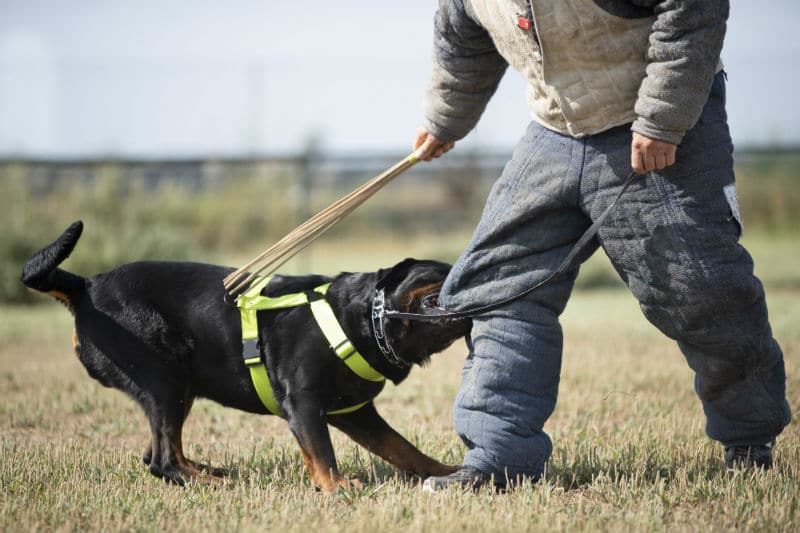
(683, 55)
(466, 72)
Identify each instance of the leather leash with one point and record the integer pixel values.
(380, 312)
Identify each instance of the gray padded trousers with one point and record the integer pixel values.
(674, 240)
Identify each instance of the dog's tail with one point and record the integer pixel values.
(41, 272)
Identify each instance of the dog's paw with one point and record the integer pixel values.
(351, 484)
(174, 476)
(431, 470)
(338, 485)
(444, 470)
(212, 471)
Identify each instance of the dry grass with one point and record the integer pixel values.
(630, 453)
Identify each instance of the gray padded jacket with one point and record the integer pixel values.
(590, 65)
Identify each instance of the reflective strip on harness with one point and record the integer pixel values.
(345, 410)
(252, 301)
(251, 353)
(338, 340)
(258, 373)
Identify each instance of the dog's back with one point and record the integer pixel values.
(149, 323)
(141, 323)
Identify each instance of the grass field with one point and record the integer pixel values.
(630, 451)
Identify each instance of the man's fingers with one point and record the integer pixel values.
(443, 149)
(428, 147)
(637, 164)
(419, 137)
(649, 162)
(651, 154)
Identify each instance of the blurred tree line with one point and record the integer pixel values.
(217, 210)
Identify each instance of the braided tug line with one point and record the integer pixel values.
(279, 253)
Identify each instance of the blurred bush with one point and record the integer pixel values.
(768, 184)
(113, 233)
(235, 209)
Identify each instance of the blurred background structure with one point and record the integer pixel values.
(205, 131)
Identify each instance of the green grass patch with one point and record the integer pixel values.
(630, 452)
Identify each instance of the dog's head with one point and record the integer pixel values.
(412, 286)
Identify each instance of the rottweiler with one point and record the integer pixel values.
(163, 333)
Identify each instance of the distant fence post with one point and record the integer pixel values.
(307, 163)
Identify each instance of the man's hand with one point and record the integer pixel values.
(429, 147)
(651, 154)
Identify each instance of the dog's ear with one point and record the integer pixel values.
(389, 279)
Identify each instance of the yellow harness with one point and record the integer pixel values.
(250, 302)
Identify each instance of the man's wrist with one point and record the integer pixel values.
(644, 127)
(441, 133)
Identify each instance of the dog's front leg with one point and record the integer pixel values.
(370, 430)
(309, 425)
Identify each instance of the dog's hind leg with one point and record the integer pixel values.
(153, 444)
(199, 471)
(166, 459)
(204, 470)
(369, 429)
(147, 456)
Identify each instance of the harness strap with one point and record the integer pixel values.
(252, 301)
(257, 302)
(338, 340)
(258, 373)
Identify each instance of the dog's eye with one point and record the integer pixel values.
(431, 300)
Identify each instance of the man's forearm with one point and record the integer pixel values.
(684, 51)
(466, 72)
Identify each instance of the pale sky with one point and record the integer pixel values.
(202, 78)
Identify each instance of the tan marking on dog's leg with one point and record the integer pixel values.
(199, 469)
(188, 467)
(401, 453)
(309, 464)
(326, 477)
(370, 430)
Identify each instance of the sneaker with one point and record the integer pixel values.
(466, 477)
(749, 457)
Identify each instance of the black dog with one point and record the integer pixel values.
(161, 332)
